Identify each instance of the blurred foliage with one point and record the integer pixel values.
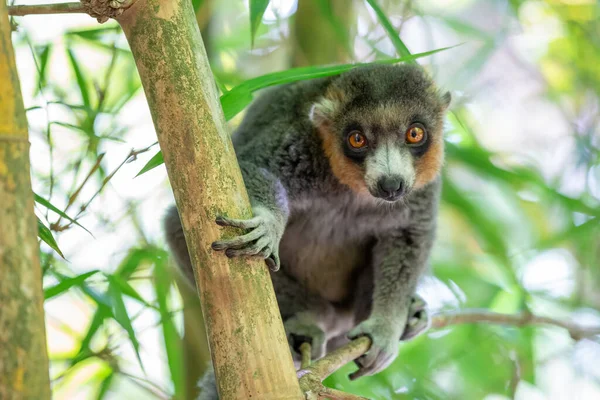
(516, 232)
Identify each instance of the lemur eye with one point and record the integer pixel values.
(415, 134)
(357, 140)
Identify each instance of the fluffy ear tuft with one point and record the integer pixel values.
(322, 111)
(446, 99)
(325, 108)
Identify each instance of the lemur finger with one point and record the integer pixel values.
(273, 262)
(246, 251)
(368, 360)
(238, 241)
(417, 304)
(371, 364)
(238, 223)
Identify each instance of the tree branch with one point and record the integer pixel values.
(311, 377)
(57, 8)
(443, 319)
(102, 10)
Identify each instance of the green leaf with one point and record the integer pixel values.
(66, 284)
(47, 204)
(43, 63)
(240, 96)
(399, 45)
(172, 340)
(128, 290)
(105, 385)
(257, 10)
(122, 316)
(81, 81)
(102, 312)
(46, 236)
(95, 34)
(135, 258)
(154, 162)
(196, 4)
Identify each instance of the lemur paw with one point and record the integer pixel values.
(384, 347)
(418, 319)
(300, 329)
(262, 240)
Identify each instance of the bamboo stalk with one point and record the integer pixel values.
(249, 347)
(23, 355)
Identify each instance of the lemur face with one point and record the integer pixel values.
(381, 128)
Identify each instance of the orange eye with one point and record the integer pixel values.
(415, 135)
(357, 140)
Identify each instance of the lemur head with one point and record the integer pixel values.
(381, 128)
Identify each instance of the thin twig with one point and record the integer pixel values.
(311, 377)
(56, 225)
(59, 8)
(447, 318)
(305, 350)
(132, 156)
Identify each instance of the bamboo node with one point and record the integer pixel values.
(102, 10)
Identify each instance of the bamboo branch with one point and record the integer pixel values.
(57, 8)
(311, 377)
(102, 10)
(305, 349)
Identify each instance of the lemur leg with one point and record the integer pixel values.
(306, 316)
(418, 320)
(418, 317)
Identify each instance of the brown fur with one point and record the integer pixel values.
(344, 170)
(428, 167)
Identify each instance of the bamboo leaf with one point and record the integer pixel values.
(134, 259)
(154, 162)
(128, 290)
(240, 96)
(399, 45)
(122, 316)
(81, 81)
(172, 340)
(105, 385)
(257, 10)
(66, 284)
(43, 63)
(46, 236)
(50, 206)
(102, 312)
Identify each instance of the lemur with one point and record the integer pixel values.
(343, 175)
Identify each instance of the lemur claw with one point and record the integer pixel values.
(384, 345)
(261, 240)
(418, 319)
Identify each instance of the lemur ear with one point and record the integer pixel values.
(322, 111)
(446, 99)
(326, 107)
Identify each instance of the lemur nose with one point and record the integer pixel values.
(391, 186)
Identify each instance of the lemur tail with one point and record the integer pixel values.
(208, 386)
(177, 245)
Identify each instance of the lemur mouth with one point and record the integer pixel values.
(389, 197)
(392, 198)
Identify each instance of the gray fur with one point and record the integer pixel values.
(349, 262)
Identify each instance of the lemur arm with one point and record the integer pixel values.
(400, 259)
(270, 208)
